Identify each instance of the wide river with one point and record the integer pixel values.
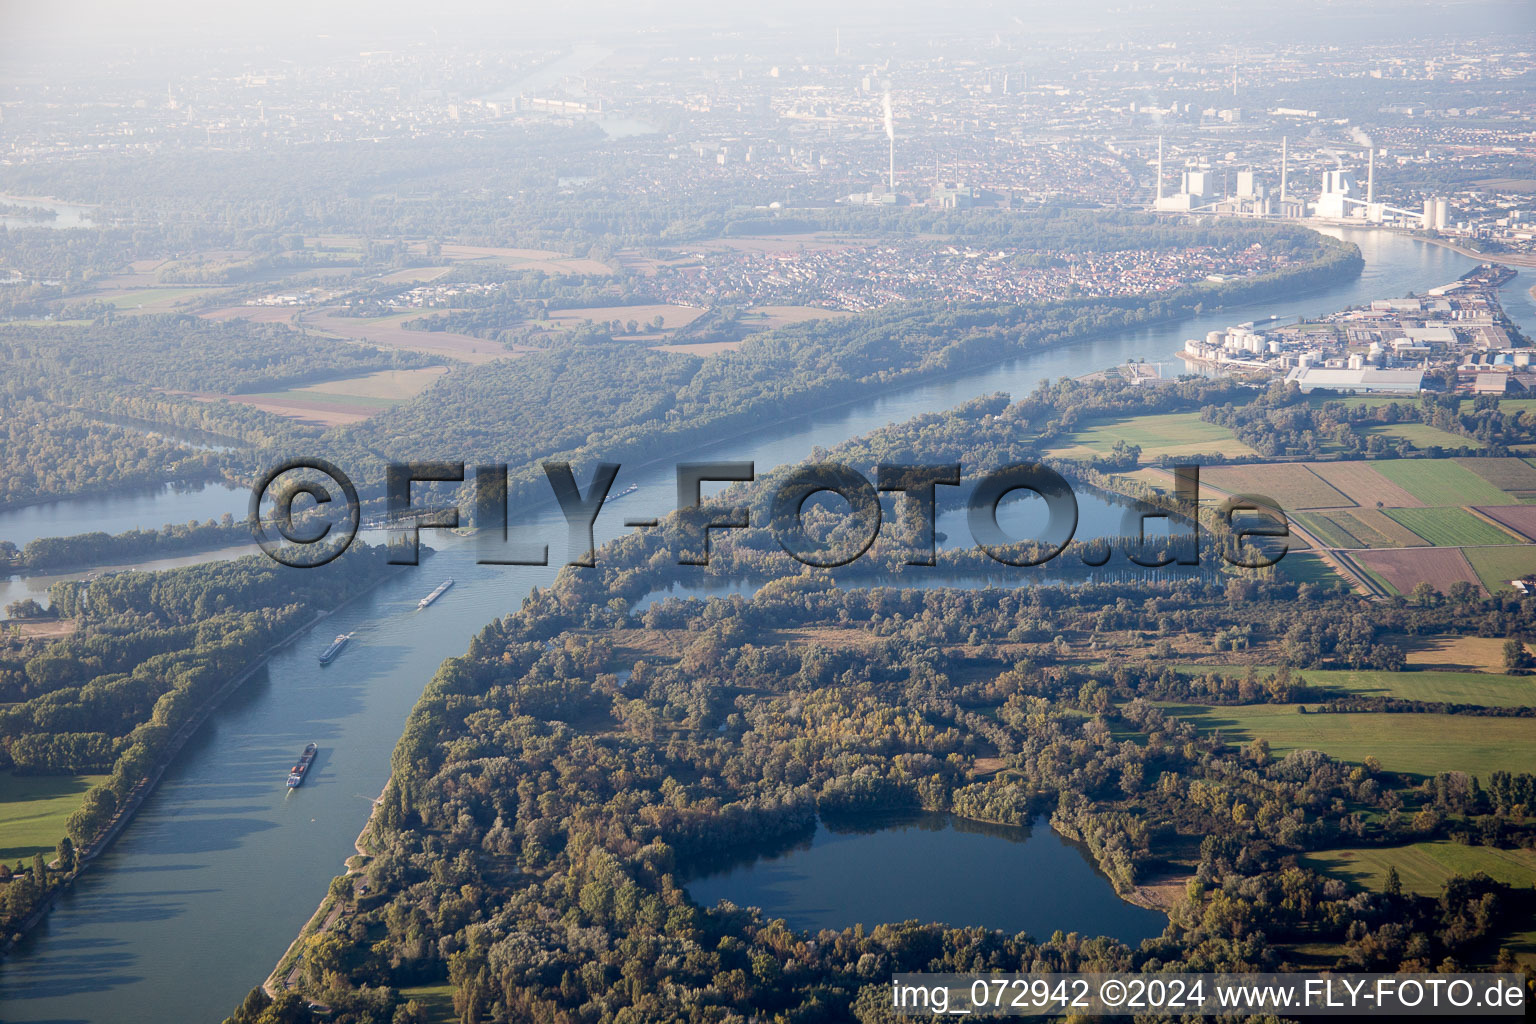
(203, 892)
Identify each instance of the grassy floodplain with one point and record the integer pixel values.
(1414, 744)
(1183, 433)
(1424, 867)
(33, 809)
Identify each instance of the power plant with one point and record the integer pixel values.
(1340, 196)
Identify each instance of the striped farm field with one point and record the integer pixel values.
(1405, 568)
(1363, 484)
(1358, 528)
(1441, 482)
(1515, 476)
(1327, 529)
(1451, 527)
(1520, 518)
(1373, 522)
(1293, 485)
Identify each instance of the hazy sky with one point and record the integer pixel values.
(80, 30)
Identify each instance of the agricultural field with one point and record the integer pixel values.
(387, 332)
(1420, 435)
(1308, 568)
(1495, 567)
(1182, 433)
(1513, 476)
(1441, 482)
(1415, 744)
(1363, 484)
(1451, 527)
(414, 275)
(523, 259)
(1519, 518)
(1481, 688)
(1318, 399)
(255, 314)
(1453, 653)
(1358, 528)
(1402, 569)
(1424, 867)
(335, 402)
(1330, 531)
(152, 300)
(1378, 527)
(33, 809)
(1294, 486)
(768, 317)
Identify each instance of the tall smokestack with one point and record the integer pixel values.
(1284, 156)
(1370, 177)
(1159, 168)
(890, 134)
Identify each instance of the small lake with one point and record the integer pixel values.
(933, 867)
(66, 215)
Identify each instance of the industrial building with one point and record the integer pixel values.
(1366, 380)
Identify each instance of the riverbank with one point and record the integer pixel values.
(1507, 259)
(284, 973)
(104, 839)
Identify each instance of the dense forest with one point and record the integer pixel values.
(174, 352)
(82, 405)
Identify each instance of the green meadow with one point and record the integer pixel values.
(33, 809)
(1415, 744)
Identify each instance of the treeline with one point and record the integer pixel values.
(50, 451)
(1285, 422)
(53, 554)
